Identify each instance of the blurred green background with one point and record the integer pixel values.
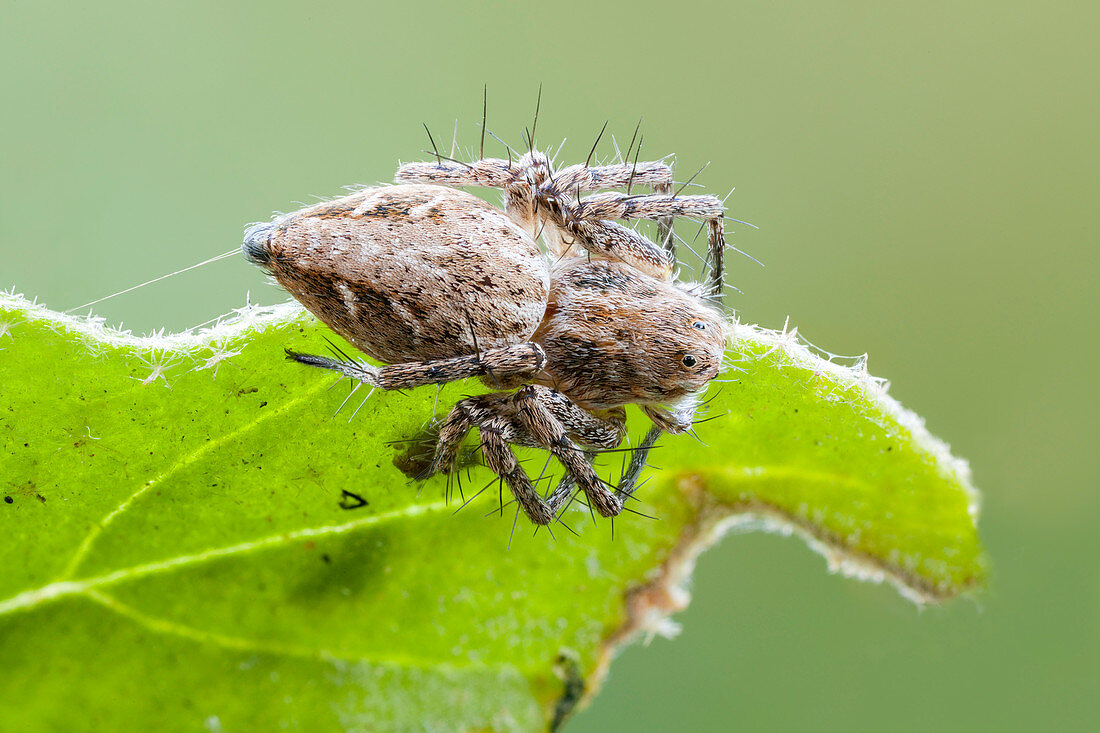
(923, 176)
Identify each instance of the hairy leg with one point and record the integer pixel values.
(537, 421)
(494, 416)
(487, 173)
(605, 430)
(531, 177)
(536, 417)
(587, 225)
(502, 461)
(496, 173)
(582, 178)
(629, 480)
(501, 367)
(606, 206)
(577, 179)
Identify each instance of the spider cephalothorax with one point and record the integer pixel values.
(441, 286)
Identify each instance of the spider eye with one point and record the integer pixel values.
(689, 360)
(699, 325)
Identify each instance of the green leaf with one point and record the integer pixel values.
(178, 553)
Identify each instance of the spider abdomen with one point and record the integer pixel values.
(409, 272)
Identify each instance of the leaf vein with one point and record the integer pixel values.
(180, 464)
(60, 589)
(160, 625)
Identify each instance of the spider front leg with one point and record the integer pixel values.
(628, 481)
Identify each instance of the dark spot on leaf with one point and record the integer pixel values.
(359, 562)
(8, 500)
(349, 500)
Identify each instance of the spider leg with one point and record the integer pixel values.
(456, 426)
(499, 173)
(531, 178)
(581, 178)
(538, 421)
(502, 461)
(565, 490)
(487, 172)
(602, 207)
(615, 241)
(589, 225)
(627, 484)
(503, 365)
(589, 430)
(585, 428)
(657, 175)
(494, 415)
(665, 224)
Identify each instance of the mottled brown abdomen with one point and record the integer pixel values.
(409, 273)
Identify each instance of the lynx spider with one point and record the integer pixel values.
(441, 286)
